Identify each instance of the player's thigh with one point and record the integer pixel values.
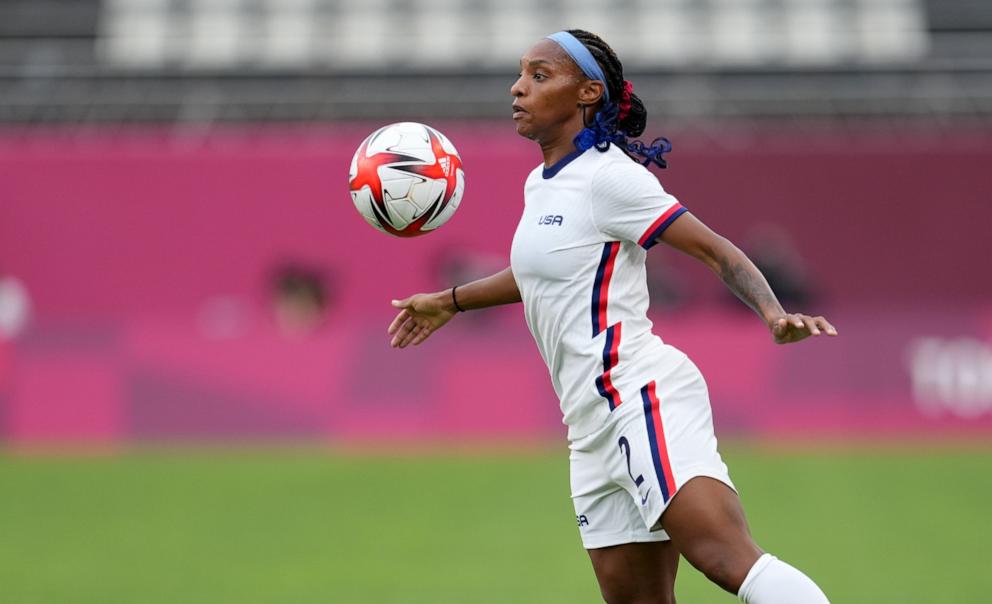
(636, 572)
(706, 522)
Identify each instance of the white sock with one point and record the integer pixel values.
(771, 581)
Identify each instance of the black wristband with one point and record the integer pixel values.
(455, 300)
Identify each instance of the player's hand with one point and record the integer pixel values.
(794, 327)
(419, 317)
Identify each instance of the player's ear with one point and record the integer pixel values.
(590, 92)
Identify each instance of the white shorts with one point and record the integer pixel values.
(624, 474)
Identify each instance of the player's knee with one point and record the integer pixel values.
(617, 589)
(650, 599)
(631, 598)
(725, 566)
(724, 572)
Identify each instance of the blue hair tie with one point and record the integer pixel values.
(603, 131)
(582, 57)
(653, 152)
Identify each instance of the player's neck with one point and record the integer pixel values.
(555, 149)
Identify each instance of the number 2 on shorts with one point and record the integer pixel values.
(625, 448)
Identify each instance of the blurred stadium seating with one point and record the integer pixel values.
(85, 61)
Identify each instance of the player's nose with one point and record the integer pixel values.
(517, 89)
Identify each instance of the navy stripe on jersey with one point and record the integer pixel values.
(549, 172)
(611, 357)
(650, 237)
(601, 286)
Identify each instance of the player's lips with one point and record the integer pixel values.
(518, 111)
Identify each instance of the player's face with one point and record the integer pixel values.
(546, 93)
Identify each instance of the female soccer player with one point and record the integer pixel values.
(647, 480)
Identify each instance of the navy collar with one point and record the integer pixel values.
(549, 172)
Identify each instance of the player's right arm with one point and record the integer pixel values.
(422, 314)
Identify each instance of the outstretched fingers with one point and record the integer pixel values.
(422, 334)
(403, 329)
(402, 337)
(817, 325)
(809, 323)
(401, 317)
(796, 327)
(410, 332)
(825, 325)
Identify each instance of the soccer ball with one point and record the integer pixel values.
(406, 179)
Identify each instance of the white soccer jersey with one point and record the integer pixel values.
(578, 259)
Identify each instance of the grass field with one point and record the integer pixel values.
(301, 526)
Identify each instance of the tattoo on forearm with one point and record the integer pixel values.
(747, 283)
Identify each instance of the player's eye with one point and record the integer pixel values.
(539, 76)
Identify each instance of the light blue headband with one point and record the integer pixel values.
(582, 57)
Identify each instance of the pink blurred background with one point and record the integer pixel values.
(148, 258)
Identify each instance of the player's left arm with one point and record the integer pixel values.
(689, 235)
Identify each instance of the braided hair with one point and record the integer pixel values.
(615, 121)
